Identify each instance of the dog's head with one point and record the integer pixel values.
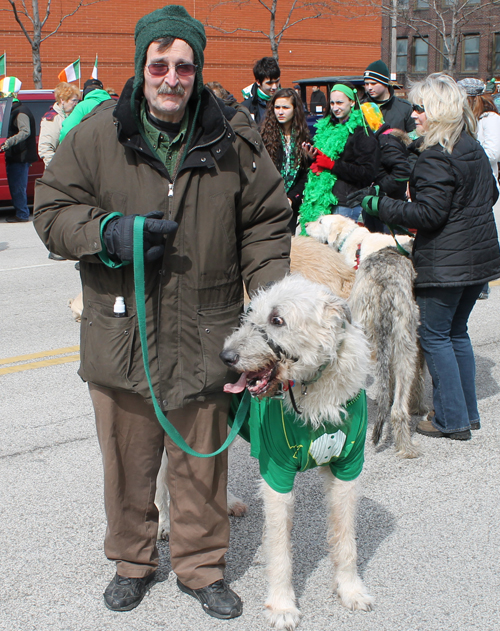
(289, 332)
(331, 229)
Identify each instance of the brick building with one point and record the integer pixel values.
(478, 52)
(312, 48)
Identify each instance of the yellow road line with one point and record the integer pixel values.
(494, 282)
(40, 364)
(57, 351)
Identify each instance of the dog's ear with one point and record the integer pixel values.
(335, 306)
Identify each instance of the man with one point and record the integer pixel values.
(20, 149)
(317, 105)
(93, 95)
(267, 80)
(396, 111)
(169, 149)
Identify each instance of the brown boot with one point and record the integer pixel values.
(426, 428)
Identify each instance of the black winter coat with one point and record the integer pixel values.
(255, 105)
(451, 208)
(358, 164)
(394, 171)
(396, 111)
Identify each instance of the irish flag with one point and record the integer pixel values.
(94, 70)
(71, 72)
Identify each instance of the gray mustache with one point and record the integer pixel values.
(177, 91)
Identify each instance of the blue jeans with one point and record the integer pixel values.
(345, 211)
(444, 312)
(17, 176)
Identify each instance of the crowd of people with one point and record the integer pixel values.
(223, 186)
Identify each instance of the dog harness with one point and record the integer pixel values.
(284, 445)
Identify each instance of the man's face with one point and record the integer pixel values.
(269, 86)
(168, 96)
(377, 91)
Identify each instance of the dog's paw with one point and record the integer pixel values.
(284, 618)
(353, 595)
(163, 529)
(235, 506)
(410, 451)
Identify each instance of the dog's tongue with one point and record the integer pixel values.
(239, 386)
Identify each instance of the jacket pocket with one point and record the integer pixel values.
(214, 325)
(107, 345)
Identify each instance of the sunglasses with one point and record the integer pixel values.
(182, 70)
(418, 108)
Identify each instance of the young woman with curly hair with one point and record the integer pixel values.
(283, 131)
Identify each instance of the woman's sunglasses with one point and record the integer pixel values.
(182, 70)
(418, 108)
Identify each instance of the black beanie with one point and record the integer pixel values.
(379, 72)
(170, 21)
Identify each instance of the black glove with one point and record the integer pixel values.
(356, 198)
(118, 237)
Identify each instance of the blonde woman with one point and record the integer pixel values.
(456, 250)
(67, 97)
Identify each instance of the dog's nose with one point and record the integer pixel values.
(229, 357)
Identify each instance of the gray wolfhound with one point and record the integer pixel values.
(382, 302)
(300, 334)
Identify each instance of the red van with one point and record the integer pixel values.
(39, 102)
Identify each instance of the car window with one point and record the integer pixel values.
(4, 117)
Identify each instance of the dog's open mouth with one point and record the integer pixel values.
(258, 383)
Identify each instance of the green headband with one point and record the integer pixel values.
(339, 87)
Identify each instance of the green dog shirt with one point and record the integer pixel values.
(284, 445)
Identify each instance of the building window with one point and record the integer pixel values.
(422, 4)
(402, 54)
(496, 53)
(471, 53)
(420, 54)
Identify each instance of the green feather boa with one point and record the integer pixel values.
(318, 192)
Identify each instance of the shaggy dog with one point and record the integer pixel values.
(382, 302)
(316, 262)
(354, 242)
(299, 334)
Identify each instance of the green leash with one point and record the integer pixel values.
(140, 303)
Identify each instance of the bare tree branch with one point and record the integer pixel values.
(316, 9)
(34, 34)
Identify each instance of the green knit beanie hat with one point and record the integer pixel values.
(378, 71)
(170, 21)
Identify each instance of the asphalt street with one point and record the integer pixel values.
(428, 529)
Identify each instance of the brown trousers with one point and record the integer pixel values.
(132, 441)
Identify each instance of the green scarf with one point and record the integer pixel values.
(291, 163)
(318, 192)
(263, 95)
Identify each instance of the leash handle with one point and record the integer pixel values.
(140, 304)
(399, 247)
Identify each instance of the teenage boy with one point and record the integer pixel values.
(267, 80)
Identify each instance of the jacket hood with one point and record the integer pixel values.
(212, 134)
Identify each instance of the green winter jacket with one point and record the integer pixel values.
(83, 108)
(232, 211)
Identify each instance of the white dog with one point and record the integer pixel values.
(354, 242)
(299, 334)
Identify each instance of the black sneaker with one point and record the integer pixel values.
(124, 594)
(217, 599)
(55, 257)
(16, 219)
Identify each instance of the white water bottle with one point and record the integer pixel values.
(119, 307)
